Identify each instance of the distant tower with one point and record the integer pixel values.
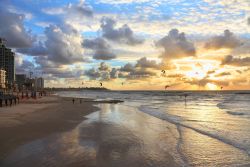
(7, 62)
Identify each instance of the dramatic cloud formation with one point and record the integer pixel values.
(230, 60)
(63, 44)
(100, 47)
(145, 63)
(104, 67)
(176, 45)
(103, 72)
(37, 50)
(123, 35)
(227, 40)
(13, 30)
(127, 67)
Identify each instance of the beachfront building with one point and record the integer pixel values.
(39, 83)
(20, 81)
(2, 78)
(7, 63)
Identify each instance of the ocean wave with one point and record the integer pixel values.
(235, 113)
(176, 120)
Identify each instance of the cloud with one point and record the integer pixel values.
(227, 40)
(123, 34)
(137, 71)
(145, 63)
(100, 47)
(103, 72)
(104, 55)
(114, 73)
(248, 21)
(80, 9)
(127, 67)
(104, 67)
(230, 60)
(36, 50)
(176, 45)
(64, 44)
(24, 67)
(205, 81)
(223, 74)
(13, 30)
(71, 10)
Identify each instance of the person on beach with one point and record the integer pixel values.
(73, 101)
(6, 102)
(10, 102)
(80, 101)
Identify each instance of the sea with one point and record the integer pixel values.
(204, 128)
(153, 129)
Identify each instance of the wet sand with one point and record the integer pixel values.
(34, 119)
(54, 132)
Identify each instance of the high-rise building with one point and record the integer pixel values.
(2, 78)
(7, 63)
(39, 83)
(20, 81)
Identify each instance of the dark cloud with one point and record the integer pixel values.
(37, 50)
(145, 63)
(127, 67)
(104, 55)
(104, 67)
(211, 72)
(123, 34)
(140, 73)
(102, 50)
(223, 74)
(175, 76)
(137, 71)
(227, 40)
(95, 44)
(176, 45)
(63, 44)
(103, 72)
(92, 73)
(230, 60)
(114, 73)
(13, 30)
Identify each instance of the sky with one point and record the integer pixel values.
(131, 44)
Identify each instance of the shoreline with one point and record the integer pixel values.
(34, 119)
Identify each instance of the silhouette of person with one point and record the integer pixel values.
(73, 101)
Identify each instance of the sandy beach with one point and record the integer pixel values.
(139, 132)
(33, 119)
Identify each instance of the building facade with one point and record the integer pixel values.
(39, 83)
(2, 78)
(7, 63)
(21, 81)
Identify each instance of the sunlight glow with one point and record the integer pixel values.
(211, 86)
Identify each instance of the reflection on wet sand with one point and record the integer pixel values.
(115, 136)
(120, 135)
